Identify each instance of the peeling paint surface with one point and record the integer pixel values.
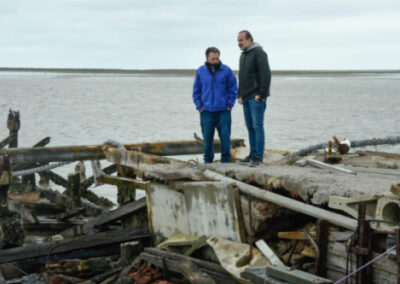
(201, 208)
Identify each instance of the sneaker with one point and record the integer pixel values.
(255, 161)
(246, 160)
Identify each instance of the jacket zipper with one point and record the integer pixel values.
(212, 93)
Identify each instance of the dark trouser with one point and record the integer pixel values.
(222, 121)
(254, 117)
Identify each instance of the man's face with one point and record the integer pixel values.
(213, 58)
(243, 42)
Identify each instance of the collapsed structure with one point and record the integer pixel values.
(293, 220)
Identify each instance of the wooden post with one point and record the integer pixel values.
(129, 251)
(322, 241)
(13, 124)
(127, 193)
(362, 251)
(74, 190)
(5, 179)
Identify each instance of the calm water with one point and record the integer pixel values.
(89, 109)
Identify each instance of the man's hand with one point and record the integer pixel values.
(201, 110)
(228, 109)
(240, 101)
(258, 99)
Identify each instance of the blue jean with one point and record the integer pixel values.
(254, 117)
(222, 121)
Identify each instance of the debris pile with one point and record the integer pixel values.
(312, 219)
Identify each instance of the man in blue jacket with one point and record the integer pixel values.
(214, 94)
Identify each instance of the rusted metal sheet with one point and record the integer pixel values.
(201, 208)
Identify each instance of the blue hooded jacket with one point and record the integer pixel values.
(214, 91)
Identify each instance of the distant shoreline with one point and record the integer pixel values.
(188, 72)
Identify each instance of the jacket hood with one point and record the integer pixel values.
(253, 46)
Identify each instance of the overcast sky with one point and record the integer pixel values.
(149, 34)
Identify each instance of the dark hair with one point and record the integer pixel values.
(213, 50)
(247, 34)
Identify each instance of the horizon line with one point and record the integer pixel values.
(181, 71)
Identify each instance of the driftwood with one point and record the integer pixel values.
(79, 243)
(105, 218)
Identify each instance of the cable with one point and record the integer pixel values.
(365, 265)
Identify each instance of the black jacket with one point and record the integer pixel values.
(254, 73)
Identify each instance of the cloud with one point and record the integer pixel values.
(174, 34)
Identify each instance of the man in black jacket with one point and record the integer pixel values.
(254, 84)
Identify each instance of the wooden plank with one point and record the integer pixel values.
(105, 218)
(68, 245)
(268, 252)
(25, 197)
(123, 181)
(90, 180)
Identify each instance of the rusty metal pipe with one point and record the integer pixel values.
(95, 152)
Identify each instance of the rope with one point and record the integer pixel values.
(365, 265)
(40, 169)
(391, 140)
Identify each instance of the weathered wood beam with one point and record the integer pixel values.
(95, 152)
(4, 142)
(90, 180)
(5, 178)
(175, 148)
(154, 167)
(54, 154)
(105, 218)
(122, 181)
(135, 158)
(171, 261)
(56, 178)
(79, 243)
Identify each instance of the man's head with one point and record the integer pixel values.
(245, 39)
(212, 55)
